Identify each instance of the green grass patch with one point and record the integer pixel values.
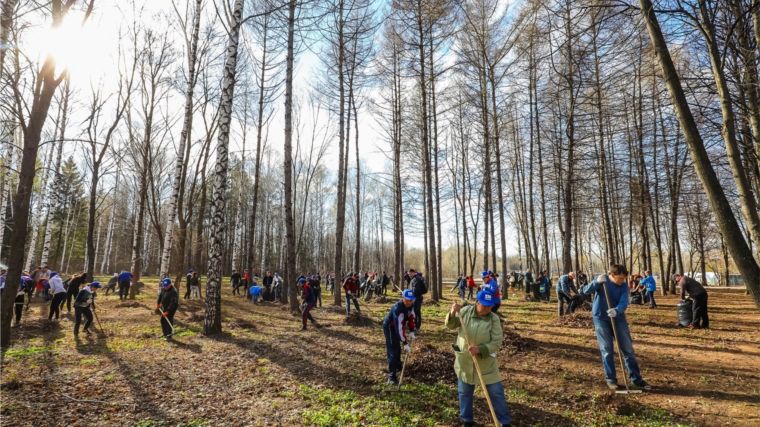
(346, 408)
(28, 351)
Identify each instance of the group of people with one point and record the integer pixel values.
(59, 293)
(479, 326)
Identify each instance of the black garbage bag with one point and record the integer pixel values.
(684, 313)
(636, 298)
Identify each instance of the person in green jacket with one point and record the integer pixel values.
(485, 334)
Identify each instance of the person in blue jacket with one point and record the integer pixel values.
(603, 315)
(400, 315)
(255, 292)
(651, 287)
(125, 277)
(565, 284)
(309, 299)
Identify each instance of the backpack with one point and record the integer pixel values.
(424, 285)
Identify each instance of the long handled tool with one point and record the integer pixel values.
(620, 355)
(170, 325)
(99, 324)
(403, 367)
(477, 368)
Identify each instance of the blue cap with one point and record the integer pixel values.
(301, 280)
(191, 271)
(486, 298)
(166, 282)
(53, 274)
(276, 273)
(95, 285)
(485, 274)
(314, 276)
(408, 294)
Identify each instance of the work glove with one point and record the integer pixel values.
(407, 349)
(601, 279)
(612, 312)
(158, 307)
(166, 313)
(411, 336)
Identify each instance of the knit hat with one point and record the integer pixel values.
(191, 271)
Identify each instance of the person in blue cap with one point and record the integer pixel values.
(255, 292)
(400, 315)
(612, 286)
(308, 299)
(168, 301)
(480, 344)
(84, 305)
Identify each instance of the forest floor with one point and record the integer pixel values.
(261, 371)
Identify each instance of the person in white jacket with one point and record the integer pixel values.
(59, 295)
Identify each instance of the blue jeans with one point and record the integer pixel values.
(393, 349)
(605, 337)
(652, 303)
(495, 392)
(348, 304)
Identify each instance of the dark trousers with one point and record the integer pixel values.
(71, 293)
(82, 311)
(19, 307)
(307, 306)
(123, 289)
(235, 290)
(318, 296)
(418, 311)
(469, 293)
(699, 311)
(55, 306)
(562, 301)
(166, 328)
(393, 348)
(537, 291)
(187, 293)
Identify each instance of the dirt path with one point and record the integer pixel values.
(261, 371)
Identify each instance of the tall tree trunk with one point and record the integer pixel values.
(5, 194)
(340, 217)
(184, 138)
(213, 320)
(46, 85)
(727, 223)
(290, 231)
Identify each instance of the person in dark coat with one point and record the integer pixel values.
(168, 302)
(420, 289)
(267, 284)
(309, 300)
(73, 290)
(84, 305)
(698, 295)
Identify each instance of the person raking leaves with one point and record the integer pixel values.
(478, 341)
(168, 301)
(611, 287)
(84, 305)
(400, 315)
